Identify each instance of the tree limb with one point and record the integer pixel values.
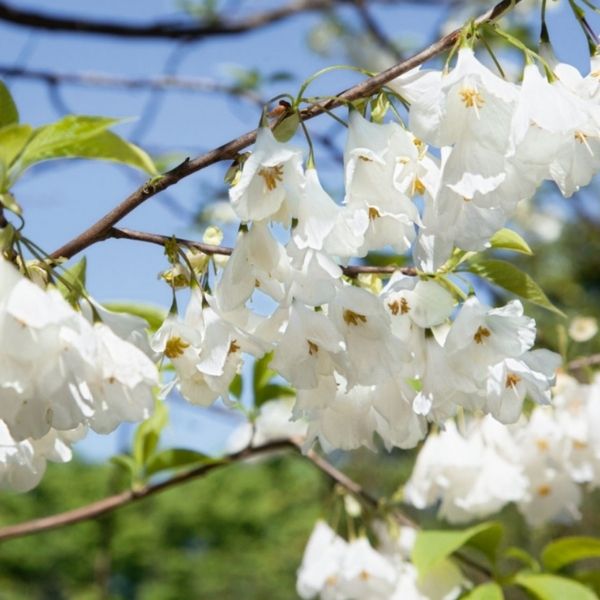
(166, 82)
(162, 29)
(229, 150)
(161, 240)
(112, 503)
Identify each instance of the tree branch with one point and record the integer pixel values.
(230, 149)
(161, 240)
(191, 84)
(162, 29)
(112, 503)
(372, 27)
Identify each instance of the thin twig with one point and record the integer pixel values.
(229, 150)
(585, 361)
(161, 240)
(112, 503)
(166, 82)
(162, 29)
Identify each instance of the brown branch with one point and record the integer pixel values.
(163, 29)
(229, 150)
(189, 84)
(112, 503)
(585, 361)
(161, 240)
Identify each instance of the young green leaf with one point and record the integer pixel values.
(271, 391)
(432, 546)
(237, 386)
(286, 129)
(509, 277)
(72, 282)
(176, 458)
(8, 109)
(12, 141)
(553, 587)
(486, 591)
(147, 435)
(507, 239)
(262, 373)
(567, 550)
(104, 145)
(153, 315)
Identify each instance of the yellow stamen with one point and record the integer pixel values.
(175, 347)
(312, 348)
(352, 318)
(272, 176)
(544, 490)
(512, 379)
(233, 347)
(542, 444)
(481, 334)
(373, 213)
(471, 98)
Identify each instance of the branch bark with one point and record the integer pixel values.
(229, 150)
(166, 82)
(158, 30)
(161, 240)
(112, 503)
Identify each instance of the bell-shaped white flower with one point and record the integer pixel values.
(481, 337)
(23, 464)
(307, 348)
(271, 181)
(533, 374)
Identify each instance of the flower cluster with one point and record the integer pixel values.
(498, 142)
(540, 463)
(334, 569)
(60, 374)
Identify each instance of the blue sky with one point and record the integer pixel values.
(61, 199)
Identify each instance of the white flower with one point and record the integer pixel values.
(321, 562)
(307, 348)
(22, 464)
(582, 329)
(481, 337)
(271, 181)
(365, 573)
(533, 374)
(258, 261)
(373, 353)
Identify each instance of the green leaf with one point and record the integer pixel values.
(379, 107)
(486, 591)
(507, 239)
(125, 463)
(176, 458)
(103, 145)
(272, 391)
(57, 139)
(7, 200)
(553, 587)
(12, 141)
(72, 285)
(236, 387)
(567, 550)
(514, 280)
(262, 373)
(286, 129)
(433, 546)
(8, 109)
(148, 433)
(153, 315)
(589, 578)
(522, 556)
